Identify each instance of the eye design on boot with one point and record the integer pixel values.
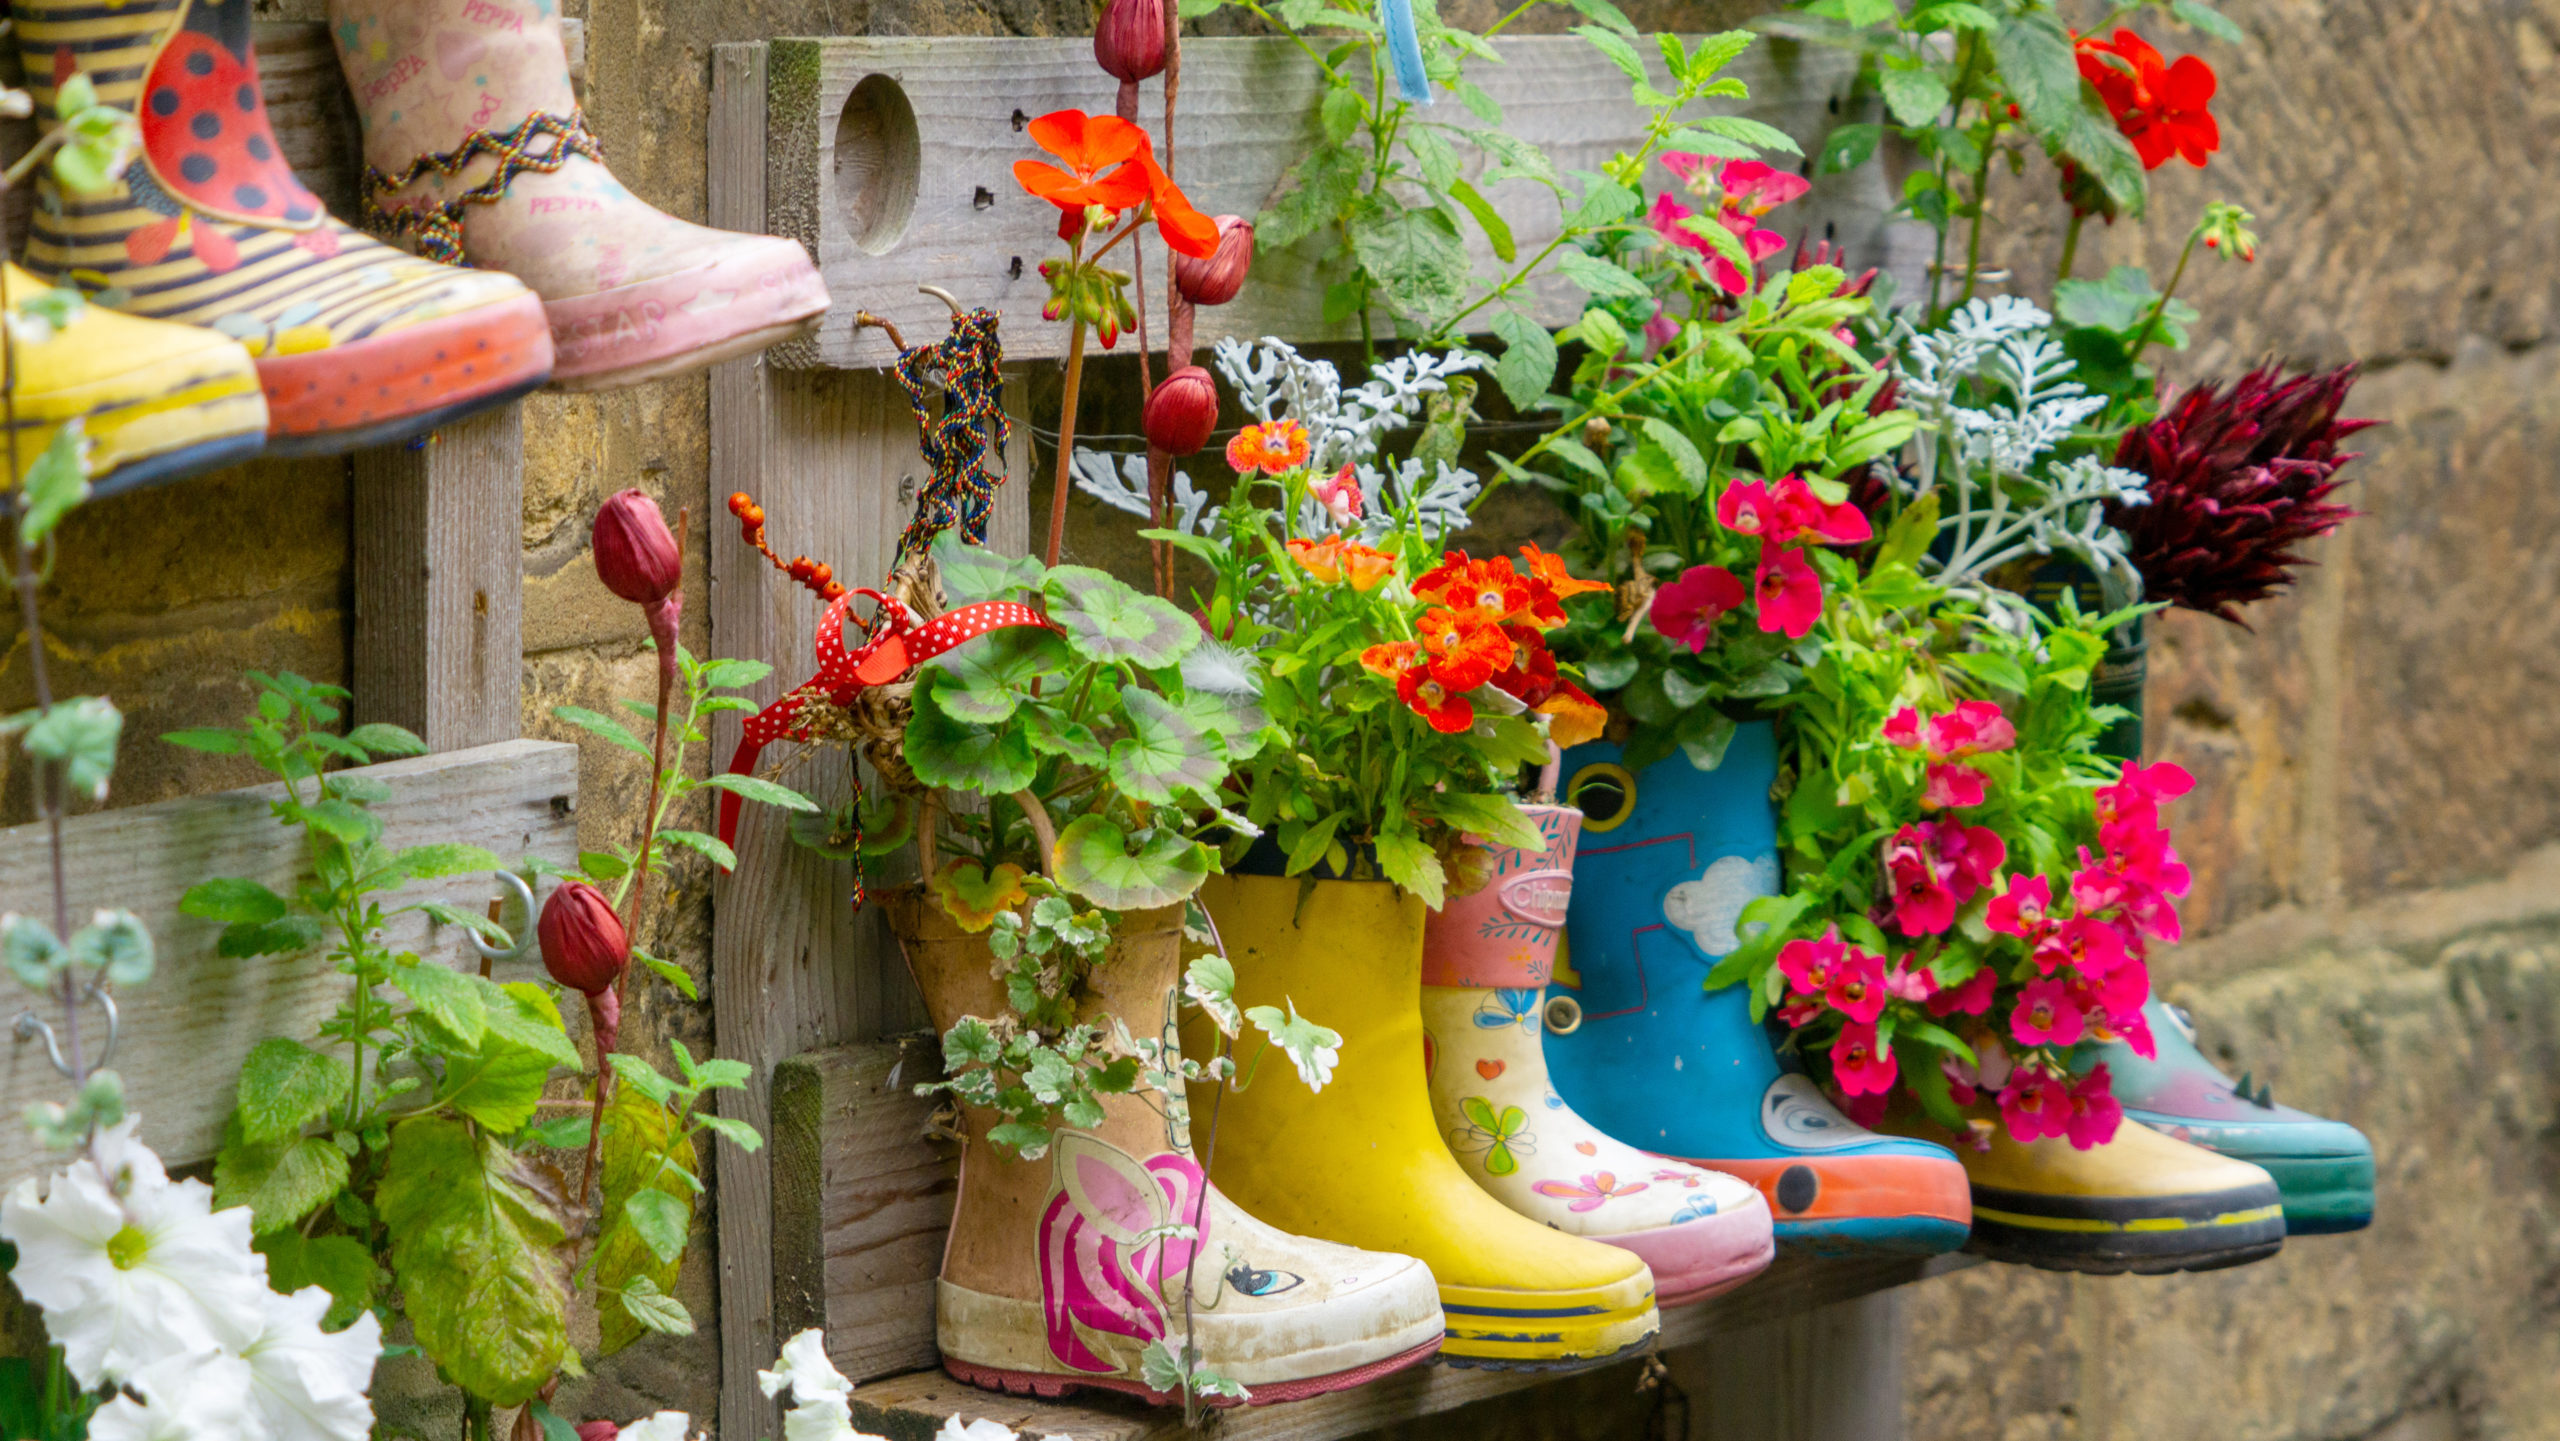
(1252, 1281)
(1605, 794)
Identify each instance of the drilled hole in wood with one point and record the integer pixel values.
(983, 199)
(878, 156)
(1020, 120)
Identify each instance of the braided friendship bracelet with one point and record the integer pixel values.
(438, 226)
(962, 490)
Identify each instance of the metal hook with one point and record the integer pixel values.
(30, 1025)
(945, 296)
(521, 895)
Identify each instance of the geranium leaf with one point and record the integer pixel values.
(951, 755)
(1053, 733)
(975, 897)
(1238, 720)
(1093, 860)
(1105, 620)
(1167, 754)
(972, 573)
(985, 680)
(474, 1246)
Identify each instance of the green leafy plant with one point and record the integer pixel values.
(653, 1187)
(1388, 190)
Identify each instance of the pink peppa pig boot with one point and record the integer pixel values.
(475, 148)
(1486, 959)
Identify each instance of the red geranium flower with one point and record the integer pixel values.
(1097, 150)
(2159, 106)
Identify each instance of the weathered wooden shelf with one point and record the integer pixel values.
(863, 1196)
(892, 160)
(200, 1014)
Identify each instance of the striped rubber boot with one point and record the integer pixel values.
(475, 145)
(154, 402)
(356, 344)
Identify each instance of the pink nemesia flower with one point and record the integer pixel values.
(1923, 904)
(1962, 1080)
(1857, 987)
(1798, 1014)
(1785, 511)
(1743, 191)
(2141, 789)
(1906, 984)
(1992, 1059)
(2021, 911)
(2035, 1104)
(2095, 1113)
(1665, 218)
(1975, 852)
(2092, 948)
(1902, 728)
(1755, 188)
(1952, 787)
(2122, 989)
(1339, 496)
(1660, 331)
(1862, 1067)
(1971, 729)
(1789, 593)
(1810, 965)
(1970, 997)
(2045, 1015)
(1867, 1110)
(2134, 1029)
(1686, 611)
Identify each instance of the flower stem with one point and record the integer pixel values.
(1066, 439)
(1981, 208)
(2071, 243)
(2151, 322)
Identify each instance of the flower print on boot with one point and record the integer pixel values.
(475, 146)
(1485, 962)
(355, 343)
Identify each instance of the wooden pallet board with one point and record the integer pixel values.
(892, 160)
(185, 1033)
(862, 1198)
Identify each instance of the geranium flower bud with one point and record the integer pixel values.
(1182, 411)
(583, 944)
(1216, 280)
(1129, 43)
(636, 554)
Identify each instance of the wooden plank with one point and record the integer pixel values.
(185, 1033)
(1832, 1373)
(863, 1196)
(439, 582)
(889, 161)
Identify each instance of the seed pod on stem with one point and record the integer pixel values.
(1216, 279)
(1182, 411)
(584, 946)
(638, 559)
(1129, 45)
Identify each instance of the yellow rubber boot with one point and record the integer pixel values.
(1362, 1162)
(155, 402)
(2142, 1202)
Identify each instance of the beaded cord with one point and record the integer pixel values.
(439, 226)
(961, 492)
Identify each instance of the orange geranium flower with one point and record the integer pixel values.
(1272, 449)
(1184, 228)
(1447, 711)
(1098, 151)
(1487, 592)
(1389, 659)
(1334, 559)
(1463, 653)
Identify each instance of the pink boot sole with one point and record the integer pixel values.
(1706, 1257)
(761, 291)
(1049, 1386)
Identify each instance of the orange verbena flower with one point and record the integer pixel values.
(1464, 653)
(1334, 559)
(1549, 567)
(1488, 592)
(1273, 448)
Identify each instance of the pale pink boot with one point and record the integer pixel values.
(1486, 960)
(476, 150)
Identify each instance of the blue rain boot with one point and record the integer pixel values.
(2323, 1168)
(1644, 1052)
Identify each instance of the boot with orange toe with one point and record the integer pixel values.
(1486, 958)
(475, 146)
(356, 344)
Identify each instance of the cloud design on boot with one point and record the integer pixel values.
(1709, 907)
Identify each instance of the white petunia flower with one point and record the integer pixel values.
(309, 1384)
(822, 1418)
(665, 1426)
(129, 1267)
(197, 1396)
(804, 1368)
(981, 1429)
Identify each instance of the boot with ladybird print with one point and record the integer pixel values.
(476, 149)
(356, 344)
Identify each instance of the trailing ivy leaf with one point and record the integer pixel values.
(1313, 1049)
(475, 1247)
(1093, 860)
(952, 756)
(1528, 364)
(115, 947)
(446, 997)
(1210, 983)
(1416, 259)
(1413, 865)
(1167, 754)
(498, 1085)
(33, 953)
(279, 1181)
(974, 896)
(339, 1265)
(284, 1086)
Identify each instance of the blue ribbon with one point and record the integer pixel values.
(1404, 52)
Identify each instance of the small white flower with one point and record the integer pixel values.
(981, 1429)
(822, 1418)
(665, 1426)
(804, 1368)
(309, 1384)
(195, 1396)
(129, 1267)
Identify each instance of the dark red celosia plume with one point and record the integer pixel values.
(2239, 477)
